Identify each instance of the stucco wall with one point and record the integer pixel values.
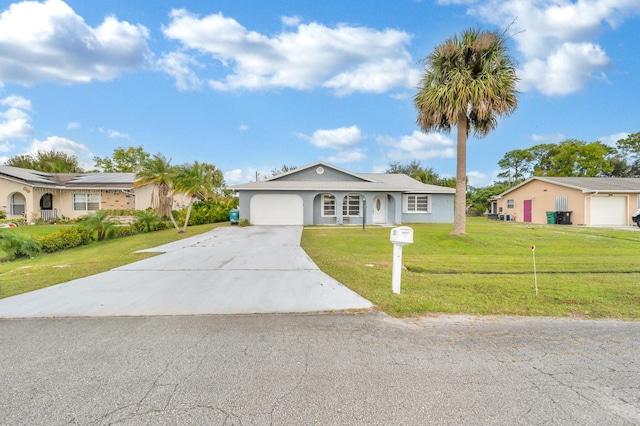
(543, 199)
(441, 211)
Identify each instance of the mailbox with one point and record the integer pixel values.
(401, 235)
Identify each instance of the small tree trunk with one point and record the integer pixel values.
(460, 208)
(186, 220)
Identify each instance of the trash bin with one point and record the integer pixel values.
(234, 216)
(552, 218)
(564, 218)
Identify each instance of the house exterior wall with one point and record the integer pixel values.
(441, 210)
(543, 199)
(7, 189)
(442, 207)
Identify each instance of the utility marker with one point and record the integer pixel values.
(535, 277)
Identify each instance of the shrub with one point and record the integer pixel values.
(17, 246)
(124, 231)
(148, 220)
(99, 224)
(65, 238)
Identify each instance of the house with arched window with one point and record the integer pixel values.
(323, 194)
(32, 194)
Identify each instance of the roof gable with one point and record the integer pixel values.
(319, 171)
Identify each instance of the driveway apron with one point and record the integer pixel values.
(229, 270)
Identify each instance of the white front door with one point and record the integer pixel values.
(379, 209)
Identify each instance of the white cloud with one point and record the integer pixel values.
(49, 42)
(178, 65)
(291, 21)
(237, 176)
(347, 157)
(55, 143)
(73, 125)
(339, 138)
(345, 58)
(556, 38)
(611, 140)
(118, 135)
(15, 123)
(479, 179)
(243, 127)
(548, 138)
(419, 146)
(6, 147)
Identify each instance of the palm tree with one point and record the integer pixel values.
(468, 82)
(100, 223)
(197, 181)
(159, 172)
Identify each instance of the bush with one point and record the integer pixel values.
(124, 231)
(207, 211)
(148, 221)
(17, 246)
(65, 238)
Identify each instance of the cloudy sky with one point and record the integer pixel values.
(252, 85)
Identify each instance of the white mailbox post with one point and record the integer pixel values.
(400, 236)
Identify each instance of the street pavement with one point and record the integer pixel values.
(229, 270)
(319, 369)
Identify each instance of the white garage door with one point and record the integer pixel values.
(608, 211)
(276, 209)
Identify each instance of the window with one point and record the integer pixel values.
(511, 203)
(86, 202)
(562, 202)
(417, 204)
(328, 205)
(351, 205)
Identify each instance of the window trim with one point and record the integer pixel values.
(87, 202)
(511, 203)
(405, 203)
(325, 199)
(346, 205)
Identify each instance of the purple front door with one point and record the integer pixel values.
(527, 211)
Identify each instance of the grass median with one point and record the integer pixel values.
(23, 275)
(581, 272)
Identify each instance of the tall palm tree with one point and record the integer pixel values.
(159, 172)
(468, 82)
(199, 181)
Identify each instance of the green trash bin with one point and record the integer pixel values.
(234, 216)
(552, 218)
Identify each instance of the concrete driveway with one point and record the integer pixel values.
(229, 270)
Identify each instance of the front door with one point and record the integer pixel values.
(527, 211)
(379, 209)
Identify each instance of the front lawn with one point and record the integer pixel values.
(582, 272)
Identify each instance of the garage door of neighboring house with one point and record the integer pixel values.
(608, 211)
(276, 209)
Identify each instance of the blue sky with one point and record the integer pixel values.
(252, 85)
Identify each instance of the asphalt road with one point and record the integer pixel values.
(327, 369)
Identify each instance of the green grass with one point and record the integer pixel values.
(23, 275)
(583, 272)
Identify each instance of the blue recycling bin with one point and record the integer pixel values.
(234, 216)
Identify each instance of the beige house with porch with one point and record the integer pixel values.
(31, 194)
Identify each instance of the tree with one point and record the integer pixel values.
(99, 223)
(417, 171)
(158, 171)
(517, 165)
(468, 82)
(198, 181)
(129, 160)
(47, 161)
(283, 169)
(629, 147)
(575, 158)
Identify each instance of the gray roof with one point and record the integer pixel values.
(370, 182)
(69, 180)
(588, 184)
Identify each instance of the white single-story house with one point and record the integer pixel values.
(588, 201)
(32, 194)
(323, 194)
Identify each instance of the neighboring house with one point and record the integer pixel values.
(583, 201)
(324, 194)
(32, 194)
